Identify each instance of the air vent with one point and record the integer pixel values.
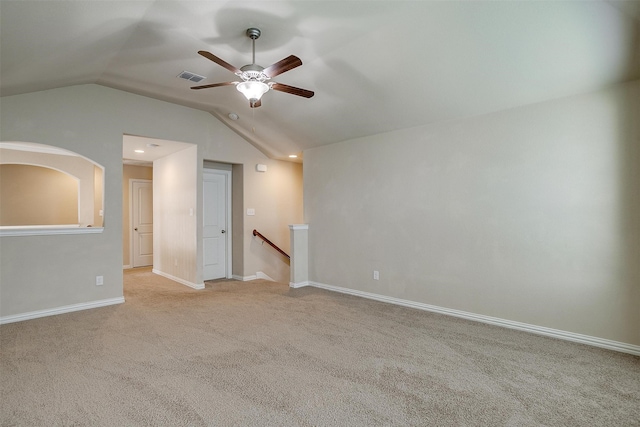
(191, 76)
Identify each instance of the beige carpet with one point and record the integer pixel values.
(258, 353)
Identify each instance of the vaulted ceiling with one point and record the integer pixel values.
(375, 66)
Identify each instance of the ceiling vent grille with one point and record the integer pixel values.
(191, 76)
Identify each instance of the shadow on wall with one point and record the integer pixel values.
(628, 199)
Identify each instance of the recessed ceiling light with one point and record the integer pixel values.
(234, 116)
(293, 156)
(139, 151)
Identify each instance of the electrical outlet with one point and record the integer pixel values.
(99, 280)
(376, 275)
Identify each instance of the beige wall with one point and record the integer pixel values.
(275, 195)
(88, 175)
(530, 214)
(34, 195)
(67, 265)
(130, 172)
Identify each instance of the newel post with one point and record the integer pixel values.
(299, 255)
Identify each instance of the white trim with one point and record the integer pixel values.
(60, 310)
(539, 330)
(179, 280)
(261, 275)
(42, 230)
(298, 226)
(299, 284)
(258, 275)
(126, 267)
(245, 278)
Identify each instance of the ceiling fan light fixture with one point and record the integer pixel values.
(252, 90)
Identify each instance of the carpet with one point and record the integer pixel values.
(261, 354)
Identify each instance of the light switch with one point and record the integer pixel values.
(251, 211)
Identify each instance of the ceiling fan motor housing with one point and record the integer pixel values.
(253, 72)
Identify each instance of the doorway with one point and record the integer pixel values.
(216, 230)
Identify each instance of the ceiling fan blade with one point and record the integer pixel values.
(286, 64)
(292, 90)
(255, 104)
(219, 61)
(214, 85)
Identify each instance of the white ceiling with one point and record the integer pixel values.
(375, 66)
(138, 150)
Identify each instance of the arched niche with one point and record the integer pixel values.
(48, 163)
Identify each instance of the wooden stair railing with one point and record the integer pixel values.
(257, 233)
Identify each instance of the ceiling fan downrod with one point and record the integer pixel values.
(253, 34)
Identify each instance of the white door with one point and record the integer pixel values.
(214, 229)
(142, 223)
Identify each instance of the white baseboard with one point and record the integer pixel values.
(60, 310)
(299, 284)
(179, 280)
(261, 275)
(539, 330)
(258, 275)
(126, 267)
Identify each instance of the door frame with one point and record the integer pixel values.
(131, 181)
(229, 222)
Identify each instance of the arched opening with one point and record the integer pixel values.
(45, 186)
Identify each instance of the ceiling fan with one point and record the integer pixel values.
(254, 77)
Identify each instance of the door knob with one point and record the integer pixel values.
(223, 231)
